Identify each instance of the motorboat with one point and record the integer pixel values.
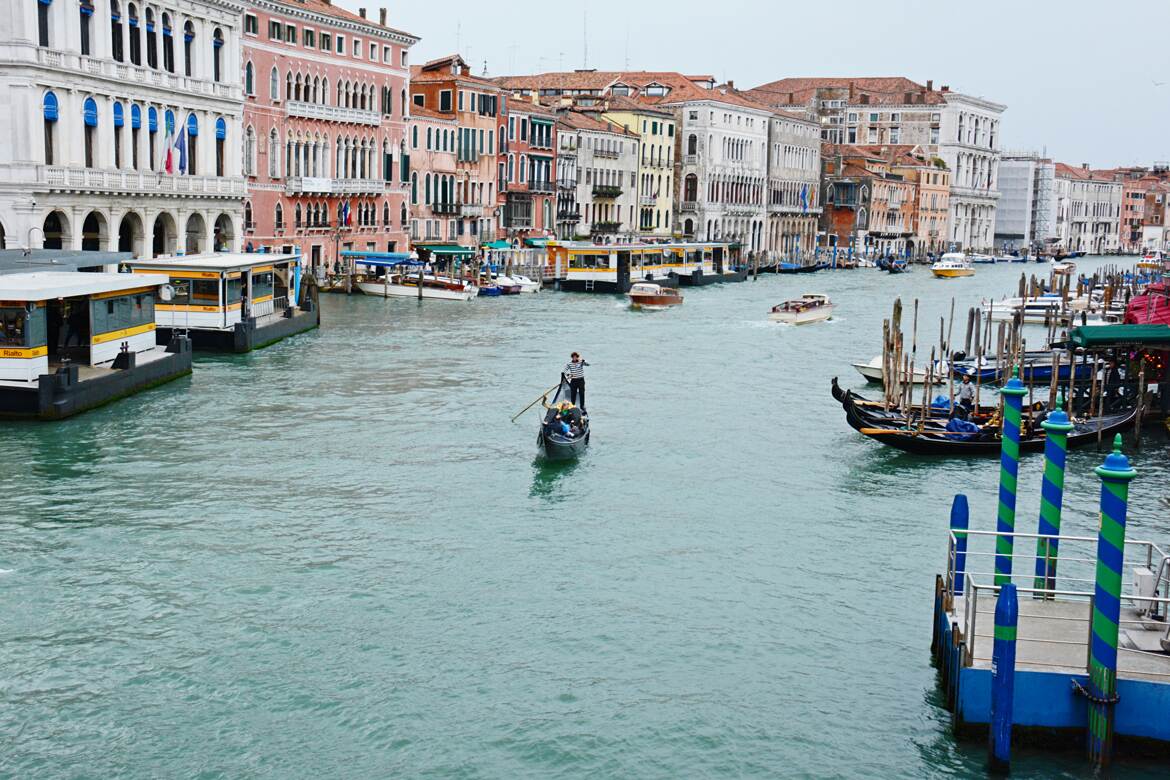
(1037, 311)
(874, 374)
(982, 259)
(952, 265)
(1064, 268)
(403, 285)
(490, 291)
(507, 285)
(527, 285)
(647, 295)
(810, 307)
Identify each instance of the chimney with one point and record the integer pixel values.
(944, 88)
(730, 84)
(362, 13)
(852, 91)
(1085, 166)
(930, 85)
(382, 16)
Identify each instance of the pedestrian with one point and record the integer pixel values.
(575, 371)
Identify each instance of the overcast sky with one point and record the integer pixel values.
(1087, 80)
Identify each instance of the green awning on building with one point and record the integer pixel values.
(498, 244)
(1105, 336)
(537, 242)
(447, 250)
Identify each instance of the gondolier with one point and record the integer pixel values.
(575, 372)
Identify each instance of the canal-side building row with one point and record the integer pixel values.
(324, 141)
(123, 125)
(603, 191)
(1088, 210)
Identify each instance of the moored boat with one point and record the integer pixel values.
(527, 285)
(810, 307)
(874, 373)
(401, 285)
(647, 295)
(507, 285)
(983, 259)
(952, 265)
(1064, 268)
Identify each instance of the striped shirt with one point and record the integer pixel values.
(575, 369)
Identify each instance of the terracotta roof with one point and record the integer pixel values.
(434, 72)
(586, 120)
(337, 12)
(895, 154)
(420, 112)
(889, 90)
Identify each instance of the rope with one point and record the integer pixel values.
(1094, 699)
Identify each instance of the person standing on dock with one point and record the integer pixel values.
(575, 371)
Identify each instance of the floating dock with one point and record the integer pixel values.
(233, 302)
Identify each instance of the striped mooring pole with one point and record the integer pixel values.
(1009, 472)
(1115, 475)
(1003, 679)
(1051, 498)
(960, 522)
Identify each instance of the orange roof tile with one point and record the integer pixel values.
(889, 90)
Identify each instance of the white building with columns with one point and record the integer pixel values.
(92, 89)
(969, 144)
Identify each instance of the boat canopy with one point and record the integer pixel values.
(1104, 336)
(449, 250)
(497, 244)
(536, 242)
(382, 259)
(49, 285)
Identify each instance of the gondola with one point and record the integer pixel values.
(552, 442)
(930, 436)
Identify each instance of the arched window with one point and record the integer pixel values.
(274, 85)
(279, 217)
(188, 47)
(220, 141)
(217, 54)
(248, 223)
(427, 191)
(42, 23)
(116, 50)
(89, 117)
(273, 155)
(192, 148)
(249, 79)
(414, 189)
(386, 214)
(168, 44)
(51, 117)
(288, 86)
(86, 7)
(324, 94)
(119, 123)
(249, 152)
(297, 216)
(297, 92)
(135, 34)
(402, 215)
(151, 40)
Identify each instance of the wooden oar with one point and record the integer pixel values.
(538, 399)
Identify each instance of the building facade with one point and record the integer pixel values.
(794, 185)
(325, 129)
(447, 87)
(434, 211)
(568, 210)
(98, 95)
(1088, 210)
(961, 130)
(656, 131)
(527, 193)
(606, 183)
(1025, 218)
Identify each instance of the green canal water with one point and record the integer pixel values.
(338, 558)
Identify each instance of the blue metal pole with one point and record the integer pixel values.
(1003, 679)
(960, 522)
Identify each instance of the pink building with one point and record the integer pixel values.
(325, 98)
(435, 215)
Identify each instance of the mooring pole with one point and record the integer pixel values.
(1003, 680)
(1051, 498)
(1115, 474)
(960, 517)
(1009, 471)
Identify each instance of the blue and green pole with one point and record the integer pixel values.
(1003, 679)
(1057, 427)
(1009, 471)
(1115, 474)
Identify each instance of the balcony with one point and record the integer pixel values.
(312, 185)
(607, 191)
(540, 186)
(569, 216)
(609, 154)
(445, 208)
(128, 74)
(648, 200)
(691, 159)
(62, 178)
(605, 227)
(689, 205)
(353, 116)
(471, 210)
(566, 185)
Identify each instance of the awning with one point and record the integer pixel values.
(497, 244)
(1104, 336)
(381, 259)
(537, 242)
(446, 250)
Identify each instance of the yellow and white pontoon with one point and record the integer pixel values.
(70, 341)
(234, 302)
(613, 268)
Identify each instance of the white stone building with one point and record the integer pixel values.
(92, 90)
(1088, 210)
(605, 176)
(969, 145)
(1025, 217)
(794, 177)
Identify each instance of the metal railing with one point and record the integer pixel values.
(606, 191)
(1073, 583)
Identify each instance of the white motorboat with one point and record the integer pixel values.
(1064, 268)
(527, 285)
(442, 288)
(810, 307)
(873, 373)
(952, 265)
(1037, 311)
(982, 259)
